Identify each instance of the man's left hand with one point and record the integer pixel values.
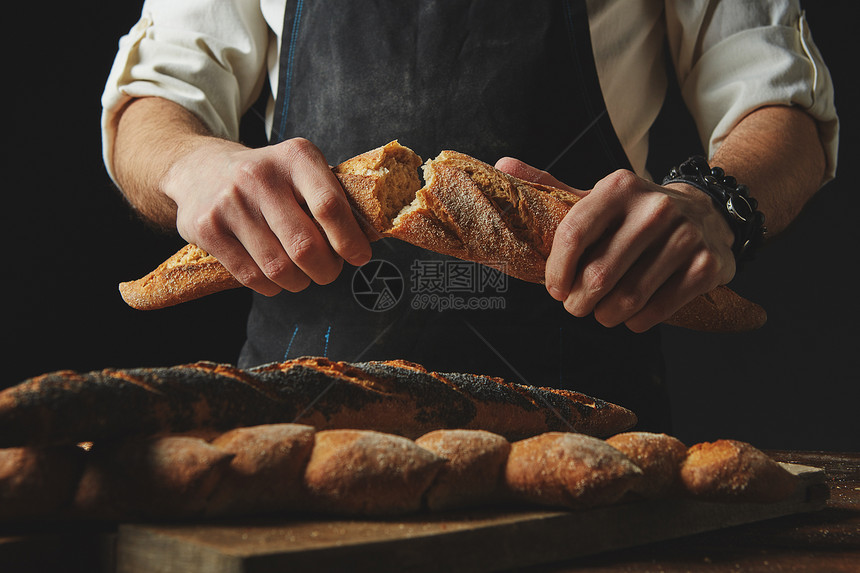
(631, 251)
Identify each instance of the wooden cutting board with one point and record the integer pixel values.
(483, 540)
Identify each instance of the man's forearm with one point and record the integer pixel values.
(152, 134)
(276, 217)
(777, 153)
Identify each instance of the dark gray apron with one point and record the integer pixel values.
(488, 78)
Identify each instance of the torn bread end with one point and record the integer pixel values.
(379, 184)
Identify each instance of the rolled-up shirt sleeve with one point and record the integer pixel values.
(208, 57)
(734, 57)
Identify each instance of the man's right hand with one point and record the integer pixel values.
(276, 217)
(254, 210)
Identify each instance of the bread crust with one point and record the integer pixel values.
(266, 471)
(659, 456)
(562, 469)
(362, 472)
(290, 468)
(732, 470)
(473, 469)
(163, 476)
(38, 482)
(391, 396)
(189, 274)
(719, 310)
(485, 216)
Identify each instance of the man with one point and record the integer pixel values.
(568, 88)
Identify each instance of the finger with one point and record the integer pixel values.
(604, 267)
(645, 276)
(662, 304)
(318, 189)
(578, 232)
(300, 240)
(648, 245)
(231, 253)
(699, 277)
(526, 172)
(273, 262)
(328, 205)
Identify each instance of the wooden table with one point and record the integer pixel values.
(824, 540)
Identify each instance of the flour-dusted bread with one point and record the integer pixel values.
(189, 274)
(38, 482)
(659, 456)
(362, 472)
(266, 471)
(168, 476)
(472, 211)
(731, 470)
(719, 310)
(563, 469)
(392, 396)
(466, 209)
(289, 469)
(473, 471)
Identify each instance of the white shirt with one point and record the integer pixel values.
(731, 57)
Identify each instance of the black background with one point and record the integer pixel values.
(69, 238)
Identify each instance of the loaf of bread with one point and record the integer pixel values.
(159, 477)
(362, 472)
(731, 470)
(395, 397)
(38, 482)
(472, 474)
(659, 456)
(292, 469)
(561, 469)
(266, 471)
(466, 209)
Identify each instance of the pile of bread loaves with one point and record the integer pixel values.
(292, 468)
(205, 440)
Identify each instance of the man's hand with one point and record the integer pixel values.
(631, 251)
(255, 211)
(275, 217)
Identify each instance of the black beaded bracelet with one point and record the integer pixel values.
(731, 199)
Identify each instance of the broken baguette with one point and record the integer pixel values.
(466, 209)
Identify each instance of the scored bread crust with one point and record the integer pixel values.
(466, 209)
(391, 396)
(568, 470)
(472, 211)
